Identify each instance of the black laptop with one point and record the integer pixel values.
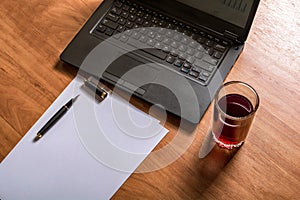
(186, 48)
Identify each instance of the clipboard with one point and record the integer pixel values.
(65, 165)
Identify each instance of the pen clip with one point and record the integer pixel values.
(97, 89)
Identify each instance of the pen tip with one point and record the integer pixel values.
(74, 99)
(37, 137)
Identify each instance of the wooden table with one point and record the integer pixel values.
(34, 33)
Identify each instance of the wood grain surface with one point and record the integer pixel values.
(34, 33)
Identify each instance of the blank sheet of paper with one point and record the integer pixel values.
(88, 154)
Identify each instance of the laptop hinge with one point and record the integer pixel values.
(232, 36)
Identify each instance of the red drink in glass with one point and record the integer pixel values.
(233, 114)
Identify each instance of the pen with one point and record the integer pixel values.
(55, 118)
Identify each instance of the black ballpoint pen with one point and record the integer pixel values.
(55, 118)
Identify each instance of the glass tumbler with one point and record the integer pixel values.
(235, 105)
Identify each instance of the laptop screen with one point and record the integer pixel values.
(233, 11)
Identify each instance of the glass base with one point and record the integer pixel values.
(223, 145)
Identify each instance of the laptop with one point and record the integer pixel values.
(182, 50)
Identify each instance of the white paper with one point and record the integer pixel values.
(64, 165)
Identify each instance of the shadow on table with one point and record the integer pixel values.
(211, 161)
(65, 69)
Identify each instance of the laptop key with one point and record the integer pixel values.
(201, 40)
(187, 32)
(109, 32)
(210, 60)
(162, 31)
(193, 44)
(182, 48)
(140, 13)
(170, 59)
(147, 17)
(157, 53)
(132, 18)
(124, 14)
(217, 55)
(209, 43)
(146, 24)
(101, 28)
(169, 26)
(202, 33)
(210, 37)
(144, 31)
(199, 54)
(196, 69)
(118, 4)
(194, 74)
(174, 44)
(225, 43)
(220, 48)
(159, 37)
(112, 17)
(152, 34)
(202, 78)
(136, 35)
(174, 52)
(167, 41)
(185, 70)
(132, 10)
(158, 45)
(201, 48)
(121, 28)
(116, 11)
(134, 5)
(155, 20)
(151, 42)
(178, 29)
(139, 21)
(122, 21)
(187, 65)
(126, 7)
(178, 63)
(166, 49)
(203, 65)
(124, 38)
(117, 35)
(129, 24)
(110, 24)
(217, 40)
(128, 32)
(182, 56)
(190, 59)
(190, 51)
(205, 73)
(143, 39)
(162, 23)
(209, 51)
(177, 37)
(136, 26)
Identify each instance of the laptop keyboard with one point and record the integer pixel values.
(188, 50)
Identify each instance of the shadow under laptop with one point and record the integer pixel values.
(65, 69)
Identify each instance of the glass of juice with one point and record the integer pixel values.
(235, 105)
